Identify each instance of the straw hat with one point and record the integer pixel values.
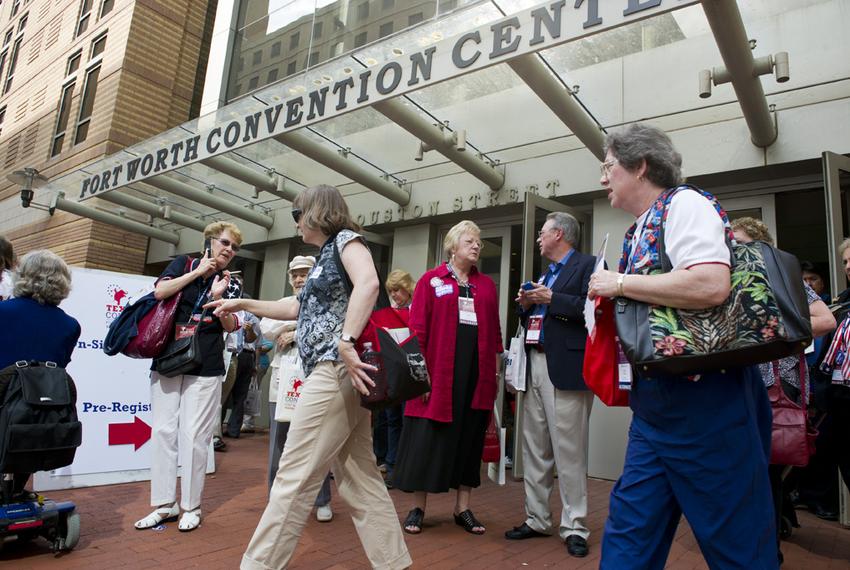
(302, 262)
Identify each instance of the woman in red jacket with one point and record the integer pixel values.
(455, 315)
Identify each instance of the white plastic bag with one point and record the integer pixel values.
(290, 384)
(252, 398)
(515, 362)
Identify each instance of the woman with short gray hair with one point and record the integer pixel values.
(35, 327)
(698, 444)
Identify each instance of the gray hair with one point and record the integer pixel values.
(43, 276)
(636, 143)
(567, 224)
(842, 247)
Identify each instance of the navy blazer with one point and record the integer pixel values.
(564, 334)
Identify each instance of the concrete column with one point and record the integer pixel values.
(412, 249)
(274, 283)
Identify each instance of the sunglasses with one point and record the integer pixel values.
(227, 243)
(296, 214)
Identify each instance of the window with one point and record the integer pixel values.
(290, 69)
(294, 39)
(13, 60)
(363, 11)
(388, 4)
(360, 39)
(8, 37)
(3, 56)
(385, 29)
(313, 59)
(2, 117)
(74, 63)
(98, 45)
(253, 82)
(447, 5)
(257, 57)
(414, 19)
(87, 104)
(272, 76)
(16, 4)
(85, 15)
(275, 49)
(106, 7)
(64, 115)
(22, 23)
(317, 30)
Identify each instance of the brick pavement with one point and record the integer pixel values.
(235, 497)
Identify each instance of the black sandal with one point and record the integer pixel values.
(414, 519)
(468, 521)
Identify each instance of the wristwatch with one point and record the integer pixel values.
(348, 338)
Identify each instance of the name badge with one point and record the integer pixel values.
(532, 333)
(466, 306)
(184, 331)
(315, 273)
(443, 290)
(624, 369)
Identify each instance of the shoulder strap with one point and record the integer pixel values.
(667, 196)
(383, 300)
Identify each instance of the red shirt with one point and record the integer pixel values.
(387, 318)
(434, 320)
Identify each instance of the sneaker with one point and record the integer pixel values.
(218, 444)
(324, 513)
(383, 467)
(508, 462)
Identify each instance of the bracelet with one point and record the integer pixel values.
(620, 278)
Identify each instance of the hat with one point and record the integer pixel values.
(302, 262)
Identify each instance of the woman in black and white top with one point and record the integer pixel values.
(328, 425)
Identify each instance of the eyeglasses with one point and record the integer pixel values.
(296, 214)
(227, 243)
(605, 167)
(544, 231)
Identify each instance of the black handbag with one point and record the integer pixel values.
(403, 374)
(181, 355)
(766, 317)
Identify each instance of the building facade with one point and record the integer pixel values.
(82, 79)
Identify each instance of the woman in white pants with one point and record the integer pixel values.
(185, 407)
(328, 425)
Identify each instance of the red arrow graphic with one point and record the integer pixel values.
(137, 433)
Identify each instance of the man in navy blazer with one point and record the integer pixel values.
(557, 401)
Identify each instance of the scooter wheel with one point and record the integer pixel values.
(69, 531)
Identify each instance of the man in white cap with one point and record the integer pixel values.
(283, 334)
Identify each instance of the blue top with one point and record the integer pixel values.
(31, 331)
(548, 280)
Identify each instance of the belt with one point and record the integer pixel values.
(538, 347)
(251, 350)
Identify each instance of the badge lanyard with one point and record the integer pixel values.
(183, 330)
(466, 304)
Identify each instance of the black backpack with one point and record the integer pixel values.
(39, 430)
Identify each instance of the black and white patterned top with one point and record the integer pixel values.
(789, 367)
(324, 302)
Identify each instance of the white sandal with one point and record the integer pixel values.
(190, 520)
(160, 515)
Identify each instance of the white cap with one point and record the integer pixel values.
(302, 262)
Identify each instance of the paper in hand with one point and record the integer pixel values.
(590, 306)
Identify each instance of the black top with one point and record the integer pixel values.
(195, 294)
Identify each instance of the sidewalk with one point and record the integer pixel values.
(236, 494)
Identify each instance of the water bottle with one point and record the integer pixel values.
(378, 392)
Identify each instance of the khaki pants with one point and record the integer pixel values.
(555, 432)
(328, 426)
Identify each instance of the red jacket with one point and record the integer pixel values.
(434, 320)
(387, 318)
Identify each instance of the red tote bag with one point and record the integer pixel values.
(156, 327)
(600, 357)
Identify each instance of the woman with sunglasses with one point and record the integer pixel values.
(185, 407)
(328, 424)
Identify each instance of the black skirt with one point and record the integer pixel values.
(437, 456)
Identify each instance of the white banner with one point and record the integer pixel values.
(113, 392)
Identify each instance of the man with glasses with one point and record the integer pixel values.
(557, 402)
